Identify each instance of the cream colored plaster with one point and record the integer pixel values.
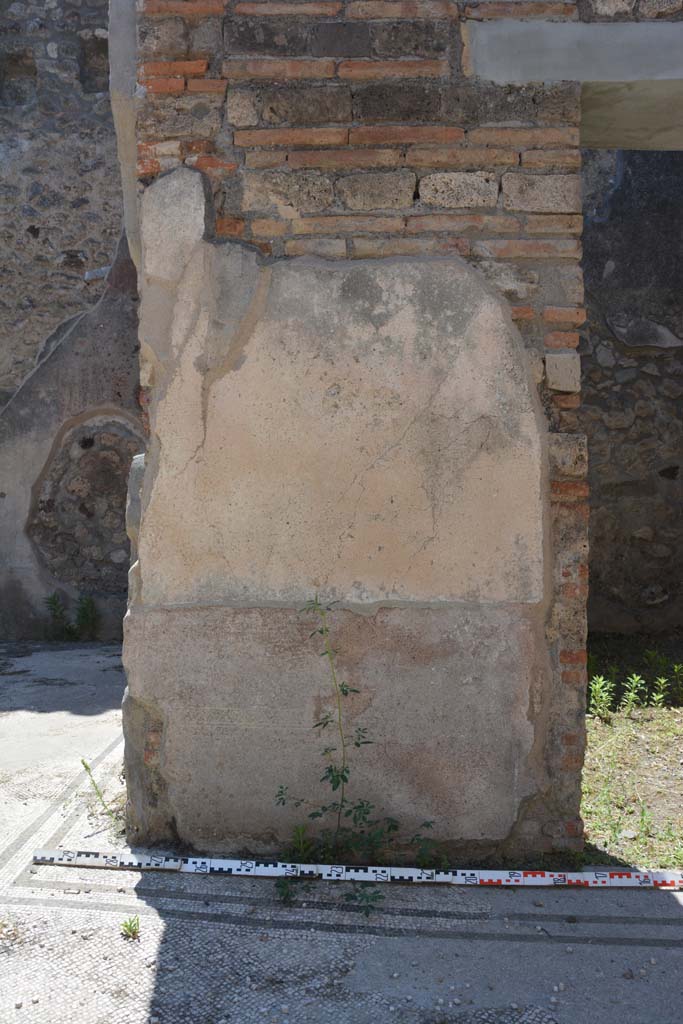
(367, 430)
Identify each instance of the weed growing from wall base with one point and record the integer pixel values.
(86, 625)
(350, 830)
(100, 795)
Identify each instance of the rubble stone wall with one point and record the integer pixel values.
(60, 193)
(69, 414)
(632, 355)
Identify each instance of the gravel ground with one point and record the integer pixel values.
(215, 949)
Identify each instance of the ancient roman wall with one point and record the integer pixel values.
(633, 386)
(69, 416)
(338, 135)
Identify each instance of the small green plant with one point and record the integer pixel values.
(285, 889)
(59, 627)
(655, 662)
(130, 928)
(99, 794)
(634, 693)
(660, 692)
(87, 618)
(677, 683)
(601, 698)
(350, 828)
(364, 897)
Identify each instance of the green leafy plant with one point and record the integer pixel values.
(130, 928)
(364, 897)
(59, 627)
(634, 693)
(677, 683)
(660, 692)
(601, 698)
(87, 618)
(348, 826)
(100, 795)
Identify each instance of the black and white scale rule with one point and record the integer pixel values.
(351, 873)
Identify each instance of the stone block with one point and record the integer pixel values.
(392, 190)
(563, 371)
(411, 39)
(460, 189)
(273, 37)
(242, 108)
(340, 40)
(287, 192)
(396, 101)
(320, 104)
(542, 193)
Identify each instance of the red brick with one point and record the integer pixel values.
(554, 223)
(230, 227)
(265, 158)
(343, 158)
(458, 157)
(379, 10)
(569, 488)
(574, 677)
(284, 9)
(267, 228)
(550, 159)
(561, 339)
(460, 222)
(574, 827)
(174, 68)
(207, 162)
(165, 86)
(526, 9)
(373, 70)
(574, 591)
(571, 762)
(404, 133)
(522, 312)
(206, 85)
(567, 401)
(147, 168)
(185, 8)
(333, 248)
(271, 69)
(572, 316)
(197, 146)
(570, 739)
(371, 248)
(156, 150)
(573, 657)
(346, 225)
(528, 248)
(524, 138)
(292, 137)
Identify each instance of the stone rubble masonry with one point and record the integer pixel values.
(60, 195)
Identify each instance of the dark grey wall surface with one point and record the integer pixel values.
(632, 365)
(60, 192)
